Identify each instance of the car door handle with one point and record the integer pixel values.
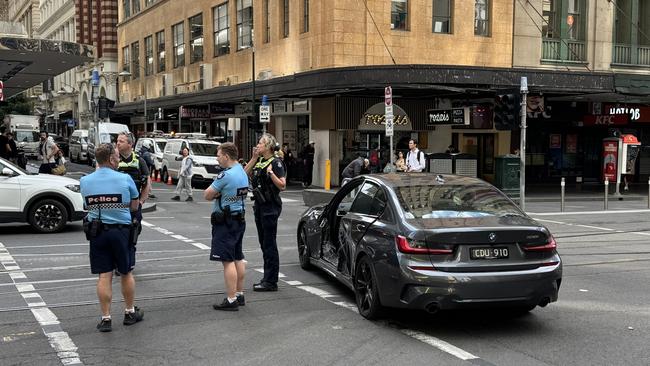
(360, 227)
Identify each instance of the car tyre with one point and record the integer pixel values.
(365, 290)
(48, 216)
(303, 250)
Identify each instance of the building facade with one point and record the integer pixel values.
(59, 97)
(96, 22)
(324, 66)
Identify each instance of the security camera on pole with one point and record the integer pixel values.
(265, 112)
(388, 101)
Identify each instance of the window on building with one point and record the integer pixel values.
(149, 2)
(244, 24)
(126, 59)
(126, 5)
(160, 41)
(399, 14)
(305, 16)
(221, 30)
(179, 44)
(135, 6)
(482, 18)
(632, 32)
(196, 38)
(135, 59)
(574, 20)
(267, 22)
(285, 18)
(148, 56)
(442, 15)
(549, 13)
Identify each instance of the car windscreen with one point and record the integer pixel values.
(106, 138)
(26, 136)
(161, 145)
(453, 201)
(204, 149)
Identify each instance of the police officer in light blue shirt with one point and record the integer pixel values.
(229, 190)
(111, 198)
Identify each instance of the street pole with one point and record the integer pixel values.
(255, 119)
(144, 85)
(522, 145)
(180, 110)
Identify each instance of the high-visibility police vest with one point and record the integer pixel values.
(132, 168)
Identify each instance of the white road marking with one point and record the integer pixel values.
(596, 227)
(179, 237)
(59, 340)
(440, 344)
(200, 246)
(294, 283)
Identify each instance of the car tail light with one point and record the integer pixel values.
(550, 246)
(410, 246)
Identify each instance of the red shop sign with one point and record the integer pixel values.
(637, 113)
(605, 120)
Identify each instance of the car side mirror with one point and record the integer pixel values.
(7, 172)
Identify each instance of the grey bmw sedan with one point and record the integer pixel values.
(430, 241)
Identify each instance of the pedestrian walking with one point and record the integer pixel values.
(47, 151)
(308, 161)
(267, 175)
(185, 177)
(414, 158)
(355, 167)
(111, 199)
(228, 191)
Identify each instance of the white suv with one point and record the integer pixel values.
(47, 202)
(204, 157)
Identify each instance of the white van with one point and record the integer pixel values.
(78, 146)
(204, 156)
(104, 132)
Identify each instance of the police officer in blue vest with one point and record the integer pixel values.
(136, 167)
(229, 190)
(267, 175)
(111, 198)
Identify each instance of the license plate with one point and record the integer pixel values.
(489, 253)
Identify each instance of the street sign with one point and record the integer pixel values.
(2, 95)
(388, 96)
(265, 114)
(389, 125)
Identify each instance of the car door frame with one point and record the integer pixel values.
(10, 188)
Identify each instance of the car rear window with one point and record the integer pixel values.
(453, 201)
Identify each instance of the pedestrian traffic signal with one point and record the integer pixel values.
(506, 111)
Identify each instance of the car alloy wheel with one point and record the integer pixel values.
(303, 250)
(48, 216)
(365, 290)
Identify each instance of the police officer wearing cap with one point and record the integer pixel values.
(110, 198)
(136, 167)
(229, 190)
(267, 175)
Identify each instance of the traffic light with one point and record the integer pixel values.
(506, 111)
(104, 105)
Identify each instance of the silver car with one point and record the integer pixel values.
(430, 242)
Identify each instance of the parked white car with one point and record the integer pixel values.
(204, 157)
(158, 144)
(47, 202)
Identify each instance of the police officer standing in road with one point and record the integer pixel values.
(229, 190)
(110, 198)
(268, 179)
(136, 167)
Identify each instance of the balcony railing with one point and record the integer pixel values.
(631, 54)
(554, 49)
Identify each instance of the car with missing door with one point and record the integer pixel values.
(432, 242)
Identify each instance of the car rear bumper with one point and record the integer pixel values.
(467, 290)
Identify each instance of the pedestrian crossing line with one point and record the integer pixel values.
(175, 236)
(59, 340)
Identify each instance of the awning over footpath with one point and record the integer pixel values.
(428, 79)
(27, 62)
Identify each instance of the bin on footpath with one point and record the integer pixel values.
(507, 175)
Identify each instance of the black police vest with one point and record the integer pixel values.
(132, 168)
(262, 180)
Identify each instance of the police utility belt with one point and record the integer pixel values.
(217, 218)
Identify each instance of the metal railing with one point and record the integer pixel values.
(551, 49)
(576, 51)
(644, 55)
(624, 54)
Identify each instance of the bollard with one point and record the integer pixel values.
(562, 184)
(606, 192)
(328, 175)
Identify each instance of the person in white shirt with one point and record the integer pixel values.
(184, 177)
(415, 158)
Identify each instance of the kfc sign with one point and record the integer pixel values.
(605, 120)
